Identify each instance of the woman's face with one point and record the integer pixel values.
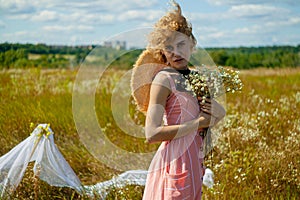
(178, 51)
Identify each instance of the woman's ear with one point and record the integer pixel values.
(162, 56)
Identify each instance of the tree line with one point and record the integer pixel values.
(62, 56)
(15, 55)
(252, 57)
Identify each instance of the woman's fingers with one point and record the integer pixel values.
(204, 98)
(211, 107)
(205, 106)
(203, 101)
(208, 111)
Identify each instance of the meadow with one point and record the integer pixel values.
(257, 155)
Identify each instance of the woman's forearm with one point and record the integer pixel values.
(169, 132)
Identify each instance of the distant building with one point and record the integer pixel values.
(119, 45)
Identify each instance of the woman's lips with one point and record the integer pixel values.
(179, 59)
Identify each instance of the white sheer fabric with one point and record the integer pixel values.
(134, 177)
(208, 178)
(49, 165)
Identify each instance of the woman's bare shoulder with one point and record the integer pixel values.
(161, 79)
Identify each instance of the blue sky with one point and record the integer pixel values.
(216, 23)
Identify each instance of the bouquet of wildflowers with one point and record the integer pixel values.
(208, 83)
(212, 83)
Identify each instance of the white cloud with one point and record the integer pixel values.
(94, 18)
(255, 29)
(291, 21)
(211, 33)
(203, 30)
(16, 6)
(241, 2)
(140, 15)
(253, 10)
(93, 13)
(45, 15)
(216, 35)
(146, 24)
(103, 18)
(232, 2)
(46, 8)
(245, 30)
(269, 27)
(15, 35)
(215, 38)
(2, 24)
(205, 18)
(69, 28)
(294, 20)
(21, 33)
(104, 5)
(236, 22)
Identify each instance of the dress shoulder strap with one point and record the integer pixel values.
(167, 72)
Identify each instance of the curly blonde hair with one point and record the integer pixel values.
(152, 59)
(168, 26)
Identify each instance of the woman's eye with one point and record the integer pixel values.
(168, 48)
(181, 44)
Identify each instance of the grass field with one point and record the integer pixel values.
(257, 156)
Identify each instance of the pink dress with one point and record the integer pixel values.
(176, 170)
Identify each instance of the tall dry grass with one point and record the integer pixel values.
(256, 157)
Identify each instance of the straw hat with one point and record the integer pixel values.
(143, 72)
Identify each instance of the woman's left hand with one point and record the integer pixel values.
(212, 107)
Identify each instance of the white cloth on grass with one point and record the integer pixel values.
(51, 167)
(208, 178)
(49, 164)
(133, 177)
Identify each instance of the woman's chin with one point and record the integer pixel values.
(180, 66)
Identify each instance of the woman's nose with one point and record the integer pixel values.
(176, 52)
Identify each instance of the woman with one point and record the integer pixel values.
(176, 170)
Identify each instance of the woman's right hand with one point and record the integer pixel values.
(206, 120)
